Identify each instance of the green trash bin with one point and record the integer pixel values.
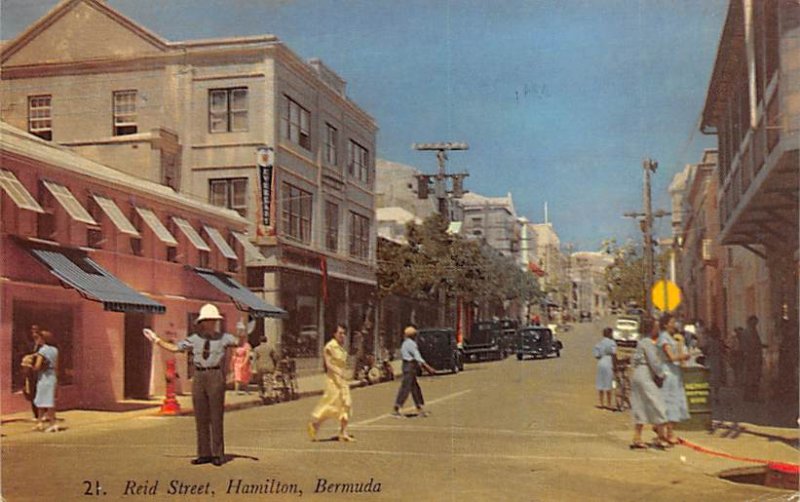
(698, 396)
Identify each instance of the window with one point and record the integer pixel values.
(295, 123)
(124, 113)
(230, 193)
(227, 110)
(331, 142)
(331, 226)
(359, 235)
(358, 161)
(296, 213)
(40, 118)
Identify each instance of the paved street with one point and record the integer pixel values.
(505, 430)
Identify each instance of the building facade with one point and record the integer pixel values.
(588, 273)
(94, 256)
(194, 115)
(753, 106)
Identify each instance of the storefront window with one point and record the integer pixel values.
(57, 319)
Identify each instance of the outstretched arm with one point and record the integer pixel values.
(164, 344)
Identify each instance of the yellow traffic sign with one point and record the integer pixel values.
(666, 296)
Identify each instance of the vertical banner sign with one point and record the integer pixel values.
(265, 157)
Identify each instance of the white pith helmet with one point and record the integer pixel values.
(208, 311)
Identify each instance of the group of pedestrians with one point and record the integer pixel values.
(40, 378)
(657, 396)
(336, 402)
(208, 345)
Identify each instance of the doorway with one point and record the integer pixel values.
(138, 357)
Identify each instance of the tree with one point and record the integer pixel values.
(625, 276)
(435, 261)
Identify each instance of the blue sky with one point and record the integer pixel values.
(560, 100)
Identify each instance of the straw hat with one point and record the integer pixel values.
(410, 331)
(208, 311)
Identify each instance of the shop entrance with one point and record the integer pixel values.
(138, 357)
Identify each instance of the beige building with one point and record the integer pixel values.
(192, 115)
(588, 274)
(494, 220)
(547, 249)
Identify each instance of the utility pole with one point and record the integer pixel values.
(645, 219)
(440, 179)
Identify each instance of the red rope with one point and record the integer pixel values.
(777, 466)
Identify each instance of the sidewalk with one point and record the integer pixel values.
(21, 423)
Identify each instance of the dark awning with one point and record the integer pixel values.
(73, 268)
(244, 299)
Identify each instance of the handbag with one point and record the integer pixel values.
(659, 381)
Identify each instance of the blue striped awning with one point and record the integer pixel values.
(75, 269)
(244, 299)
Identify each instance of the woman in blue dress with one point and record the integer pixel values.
(46, 365)
(673, 392)
(605, 352)
(647, 403)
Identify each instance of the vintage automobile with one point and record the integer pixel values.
(585, 316)
(439, 348)
(508, 337)
(485, 341)
(537, 341)
(626, 331)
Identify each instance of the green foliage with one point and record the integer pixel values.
(625, 277)
(434, 260)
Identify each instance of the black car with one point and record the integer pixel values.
(537, 341)
(439, 348)
(485, 341)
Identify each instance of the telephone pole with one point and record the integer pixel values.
(440, 179)
(645, 219)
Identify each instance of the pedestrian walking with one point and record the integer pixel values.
(335, 401)
(712, 347)
(751, 346)
(736, 358)
(208, 347)
(241, 367)
(265, 360)
(29, 375)
(673, 392)
(606, 354)
(647, 402)
(412, 362)
(46, 366)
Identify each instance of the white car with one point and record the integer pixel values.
(626, 331)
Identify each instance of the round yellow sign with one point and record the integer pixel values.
(666, 296)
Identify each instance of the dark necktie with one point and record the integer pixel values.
(207, 349)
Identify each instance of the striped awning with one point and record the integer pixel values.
(74, 269)
(244, 299)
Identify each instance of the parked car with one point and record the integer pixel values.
(508, 337)
(626, 331)
(585, 316)
(439, 348)
(537, 341)
(484, 341)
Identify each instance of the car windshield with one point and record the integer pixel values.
(532, 335)
(627, 324)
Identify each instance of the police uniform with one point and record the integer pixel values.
(208, 390)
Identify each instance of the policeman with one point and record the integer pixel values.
(208, 347)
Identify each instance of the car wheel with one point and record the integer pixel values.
(519, 357)
(558, 353)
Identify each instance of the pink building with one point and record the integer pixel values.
(95, 255)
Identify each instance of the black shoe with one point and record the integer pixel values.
(201, 460)
(218, 461)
